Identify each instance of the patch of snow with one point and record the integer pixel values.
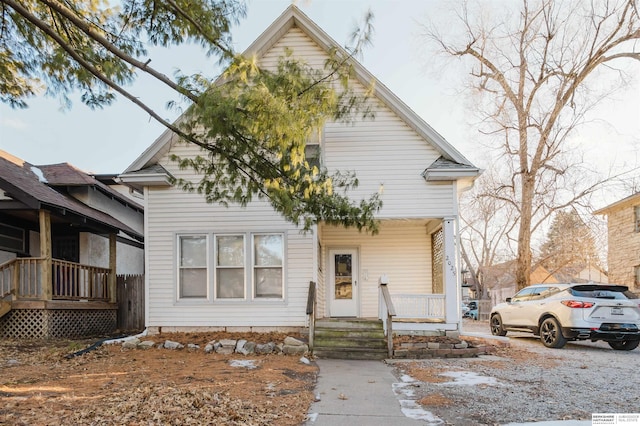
(312, 417)
(407, 379)
(413, 410)
(249, 364)
(469, 378)
(404, 391)
(36, 171)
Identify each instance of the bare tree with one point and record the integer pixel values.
(537, 73)
(486, 234)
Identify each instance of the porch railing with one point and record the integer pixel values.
(22, 277)
(386, 313)
(311, 312)
(73, 281)
(419, 306)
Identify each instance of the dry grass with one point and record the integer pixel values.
(110, 385)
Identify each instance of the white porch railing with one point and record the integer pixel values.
(419, 306)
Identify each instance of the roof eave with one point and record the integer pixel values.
(625, 202)
(139, 181)
(449, 174)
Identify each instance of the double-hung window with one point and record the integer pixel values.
(230, 267)
(192, 268)
(268, 255)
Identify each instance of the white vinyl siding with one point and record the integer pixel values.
(195, 216)
(384, 151)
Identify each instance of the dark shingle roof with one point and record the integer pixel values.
(28, 184)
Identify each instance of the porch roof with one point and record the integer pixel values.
(28, 189)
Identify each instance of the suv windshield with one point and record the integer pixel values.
(602, 291)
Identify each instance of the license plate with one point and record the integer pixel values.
(616, 311)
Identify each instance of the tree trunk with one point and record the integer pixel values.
(523, 264)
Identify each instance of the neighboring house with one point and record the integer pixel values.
(500, 280)
(210, 266)
(623, 225)
(64, 235)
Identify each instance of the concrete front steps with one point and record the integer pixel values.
(349, 338)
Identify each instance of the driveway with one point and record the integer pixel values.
(525, 382)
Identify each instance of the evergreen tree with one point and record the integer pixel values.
(570, 246)
(252, 124)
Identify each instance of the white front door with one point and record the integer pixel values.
(343, 277)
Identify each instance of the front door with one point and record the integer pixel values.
(343, 270)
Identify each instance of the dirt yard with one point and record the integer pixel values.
(112, 385)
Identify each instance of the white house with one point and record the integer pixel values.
(202, 265)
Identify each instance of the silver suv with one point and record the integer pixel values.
(562, 312)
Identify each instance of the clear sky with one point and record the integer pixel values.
(108, 140)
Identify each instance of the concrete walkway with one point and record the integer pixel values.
(354, 393)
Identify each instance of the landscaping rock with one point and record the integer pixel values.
(147, 344)
(210, 347)
(131, 344)
(173, 345)
(291, 341)
(266, 348)
(295, 350)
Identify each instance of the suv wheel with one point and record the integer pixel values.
(625, 345)
(551, 334)
(496, 326)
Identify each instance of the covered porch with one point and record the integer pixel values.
(406, 276)
(42, 296)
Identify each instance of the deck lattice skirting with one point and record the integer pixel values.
(56, 323)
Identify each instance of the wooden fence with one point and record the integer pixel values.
(130, 302)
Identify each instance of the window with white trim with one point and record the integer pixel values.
(230, 267)
(192, 266)
(268, 262)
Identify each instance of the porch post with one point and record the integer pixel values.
(45, 254)
(450, 273)
(113, 297)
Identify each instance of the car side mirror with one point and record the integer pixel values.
(508, 300)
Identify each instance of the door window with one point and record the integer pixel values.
(343, 277)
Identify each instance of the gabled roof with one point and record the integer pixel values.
(293, 17)
(153, 175)
(443, 169)
(65, 175)
(625, 202)
(28, 185)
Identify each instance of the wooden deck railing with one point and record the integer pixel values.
(311, 312)
(73, 281)
(22, 277)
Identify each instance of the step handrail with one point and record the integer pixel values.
(387, 312)
(311, 312)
